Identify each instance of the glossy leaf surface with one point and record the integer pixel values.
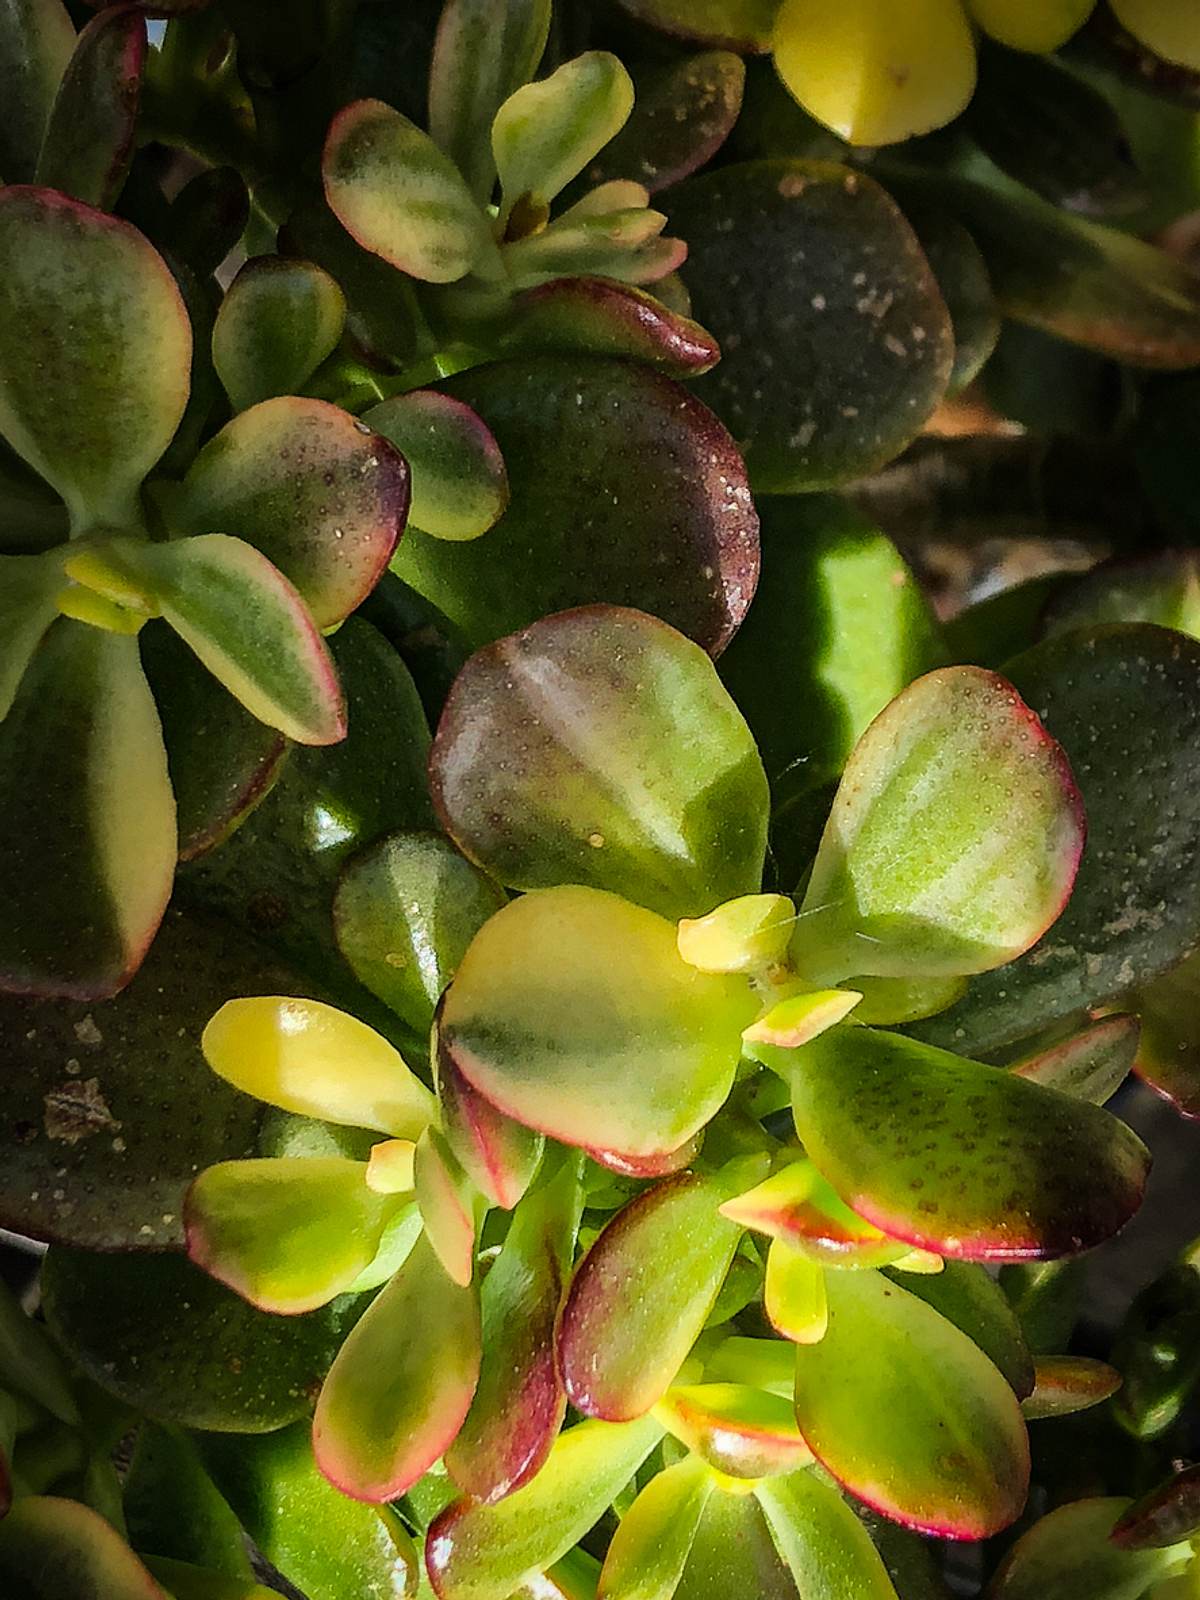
(968, 1297)
(740, 1431)
(1067, 1384)
(277, 323)
(959, 1158)
(623, 488)
(560, 1002)
(649, 1550)
(52, 1549)
(1169, 1513)
(522, 767)
(892, 1394)
(1090, 1066)
(827, 1549)
(459, 485)
(446, 1199)
(498, 1154)
(1069, 1552)
(605, 318)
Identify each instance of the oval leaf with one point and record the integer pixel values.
(277, 323)
(740, 1431)
(604, 318)
(685, 110)
(53, 1549)
(1090, 1066)
(1064, 1385)
(90, 132)
(649, 1550)
(499, 1155)
(1168, 1514)
(36, 41)
(446, 1199)
(826, 1547)
(459, 485)
(547, 132)
(1068, 1553)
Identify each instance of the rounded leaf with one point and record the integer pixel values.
(826, 1547)
(53, 1549)
(1039, 28)
(547, 132)
(1069, 1553)
(648, 1552)
(277, 323)
(459, 485)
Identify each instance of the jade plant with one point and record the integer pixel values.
(599, 683)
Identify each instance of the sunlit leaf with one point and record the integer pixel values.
(547, 132)
(748, 934)
(827, 1549)
(277, 323)
(740, 1431)
(446, 1198)
(968, 1297)
(797, 1205)
(459, 485)
(89, 138)
(1068, 1553)
(1038, 28)
(499, 1155)
(794, 1298)
(798, 1018)
(1066, 1384)
(1091, 1065)
(649, 1550)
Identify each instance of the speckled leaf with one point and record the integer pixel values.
(953, 841)
(743, 25)
(1091, 1065)
(828, 1550)
(1066, 1384)
(89, 138)
(648, 1552)
(398, 196)
(604, 318)
(476, 1551)
(966, 287)
(798, 1207)
(404, 913)
(523, 774)
(459, 485)
(909, 1415)
(1169, 1513)
(52, 1549)
(277, 323)
(36, 41)
(1163, 587)
(520, 1401)
(623, 488)
(1068, 1553)
(682, 116)
(1125, 702)
(167, 1339)
(641, 1296)
(88, 843)
(402, 1383)
(969, 1298)
(561, 1000)
(962, 1159)
(836, 343)
(500, 1155)
(315, 490)
(738, 1430)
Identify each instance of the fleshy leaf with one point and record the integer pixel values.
(953, 841)
(277, 323)
(1162, 588)
(174, 1510)
(659, 485)
(476, 1551)
(743, 25)
(684, 112)
(31, 1364)
(459, 485)
(1165, 1516)
(190, 1582)
(560, 1002)
(311, 1058)
(520, 1401)
(1035, 28)
(315, 490)
(500, 1155)
(52, 1549)
(522, 767)
(850, 346)
(36, 41)
(446, 1197)
(959, 1158)
(1091, 1065)
(604, 318)
(398, 196)
(641, 1296)
(1168, 1056)
(89, 138)
(794, 1298)
(893, 1394)
(743, 935)
(649, 1550)
(827, 1549)
(547, 132)
(1066, 1384)
(28, 589)
(970, 1299)
(88, 851)
(740, 1431)
(1068, 1553)
(289, 1234)
(800, 1017)
(251, 629)
(402, 1383)
(96, 351)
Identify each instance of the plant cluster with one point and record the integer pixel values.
(559, 1019)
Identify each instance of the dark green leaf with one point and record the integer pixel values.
(36, 41)
(173, 1509)
(682, 116)
(1068, 1554)
(90, 133)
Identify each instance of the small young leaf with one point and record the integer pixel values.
(796, 1205)
(36, 41)
(90, 132)
(794, 1296)
(446, 1199)
(277, 323)
(740, 1431)
(827, 1549)
(649, 1550)
(459, 485)
(1064, 1385)
(748, 934)
(795, 1020)
(1090, 1066)
(547, 132)
(53, 1549)
(1069, 1553)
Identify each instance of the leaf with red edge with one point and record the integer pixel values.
(909, 1415)
(500, 1155)
(648, 1552)
(314, 489)
(653, 1166)
(602, 317)
(599, 747)
(520, 1402)
(1069, 1553)
(827, 1549)
(953, 841)
(562, 1000)
(52, 1549)
(87, 853)
(960, 1158)
(797, 1206)
(1165, 1516)
(641, 1296)
(1091, 1065)
(89, 138)
(36, 41)
(683, 114)
(619, 451)
(446, 1198)
(278, 321)
(95, 348)
(402, 1383)
(1064, 1385)
(740, 1431)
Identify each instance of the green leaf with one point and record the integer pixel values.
(563, 998)
(743, 25)
(476, 1551)
(604, 318)
(683, 114)
(649, 1550)
(459, 485)
(1091, 1065)
(826, 1547)
(288, 1235)
(404, 913)
(524, 777)
(1069, 1553)
(1168, 1054)
(89, 140)
(319, 494)
(909, 1415)
(36, 41)
(166, 1339)
(953, 841)
(30, 1364)
(174, 1509)
(740, 1431)
(970, 1299)
(402, 1383)
(95, 347)
(499, 1155)
(547, 132)
(836, 342)
(309, 1057)
(520, 1401)
(446, 1197)
(1162, 588)
(29, 586)
(277, 323)
(798, 1207)
(398, 196)
(962, 277)
(1157, 1351)
(190, 1582)
(794, 1298)
(659, 487)
(641, 1296)
(956, 1157)
(1125, 702)
(1066, 1384)
(88, 847)
(53, 1549)
(251, 629)
(734, 1556)
(484, 51)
